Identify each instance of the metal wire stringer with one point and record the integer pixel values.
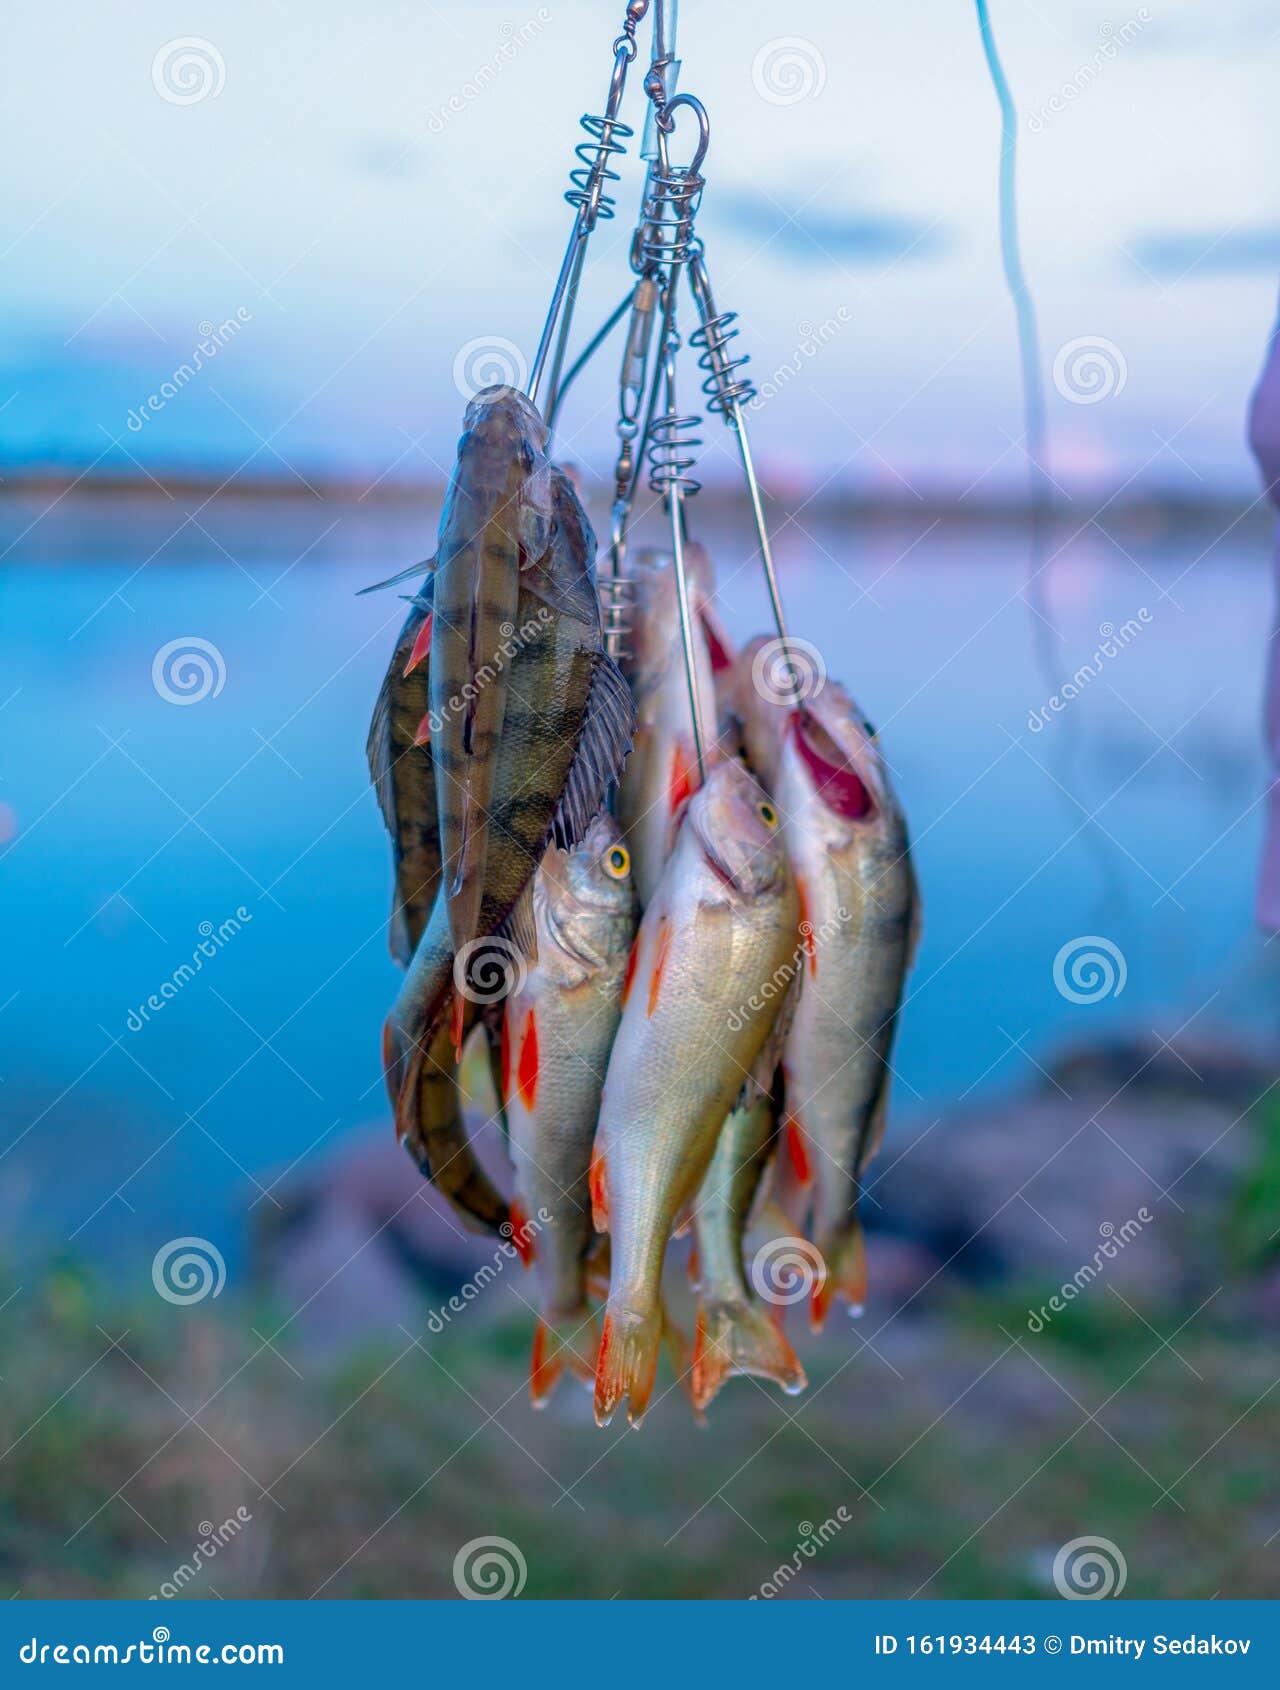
(728, 389)
(606, 132)
(667, 244)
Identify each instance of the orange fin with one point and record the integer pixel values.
(659, 962)
(573, 1341)
(798, 1152)
(846, 1275)
(628, 1363)
(527, 1065)
(630, 975)
(739, 1338)
(421, 646)
(679, 781)
(458, 1023)
(422, 733)
(806, 926)
(599, 1192)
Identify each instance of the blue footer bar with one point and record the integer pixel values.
(614, 1645)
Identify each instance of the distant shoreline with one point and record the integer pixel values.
(1123, 511)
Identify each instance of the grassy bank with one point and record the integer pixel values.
(964, 1450)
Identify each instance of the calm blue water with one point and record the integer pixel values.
(135, 820)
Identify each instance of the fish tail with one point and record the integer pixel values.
(628, 1362)
(739, 1338)
(568, 1341)
(846, 1277)
(599, 1191)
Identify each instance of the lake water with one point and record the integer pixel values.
(133, 820)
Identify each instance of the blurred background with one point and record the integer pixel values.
(256, 260)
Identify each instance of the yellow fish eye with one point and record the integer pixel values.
(617, 862)
(768, 815)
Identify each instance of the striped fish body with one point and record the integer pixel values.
(497, 521)
(403, 774)
(566, 731)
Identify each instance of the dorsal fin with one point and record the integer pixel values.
(607, 731)
(425, 567)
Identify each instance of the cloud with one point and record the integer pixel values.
(387, 156)
(850, 237)
(1229, 251)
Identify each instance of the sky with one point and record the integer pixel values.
(371, 198)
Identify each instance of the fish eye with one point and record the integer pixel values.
(768, 815)
(617, 862)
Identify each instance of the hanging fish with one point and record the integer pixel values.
(434, 1133)
(860, 911)
(720, 925)
(496, 525)
(567, 728)
(661, 772)
(735, 1334)
(558, 1029)
(399, 753)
